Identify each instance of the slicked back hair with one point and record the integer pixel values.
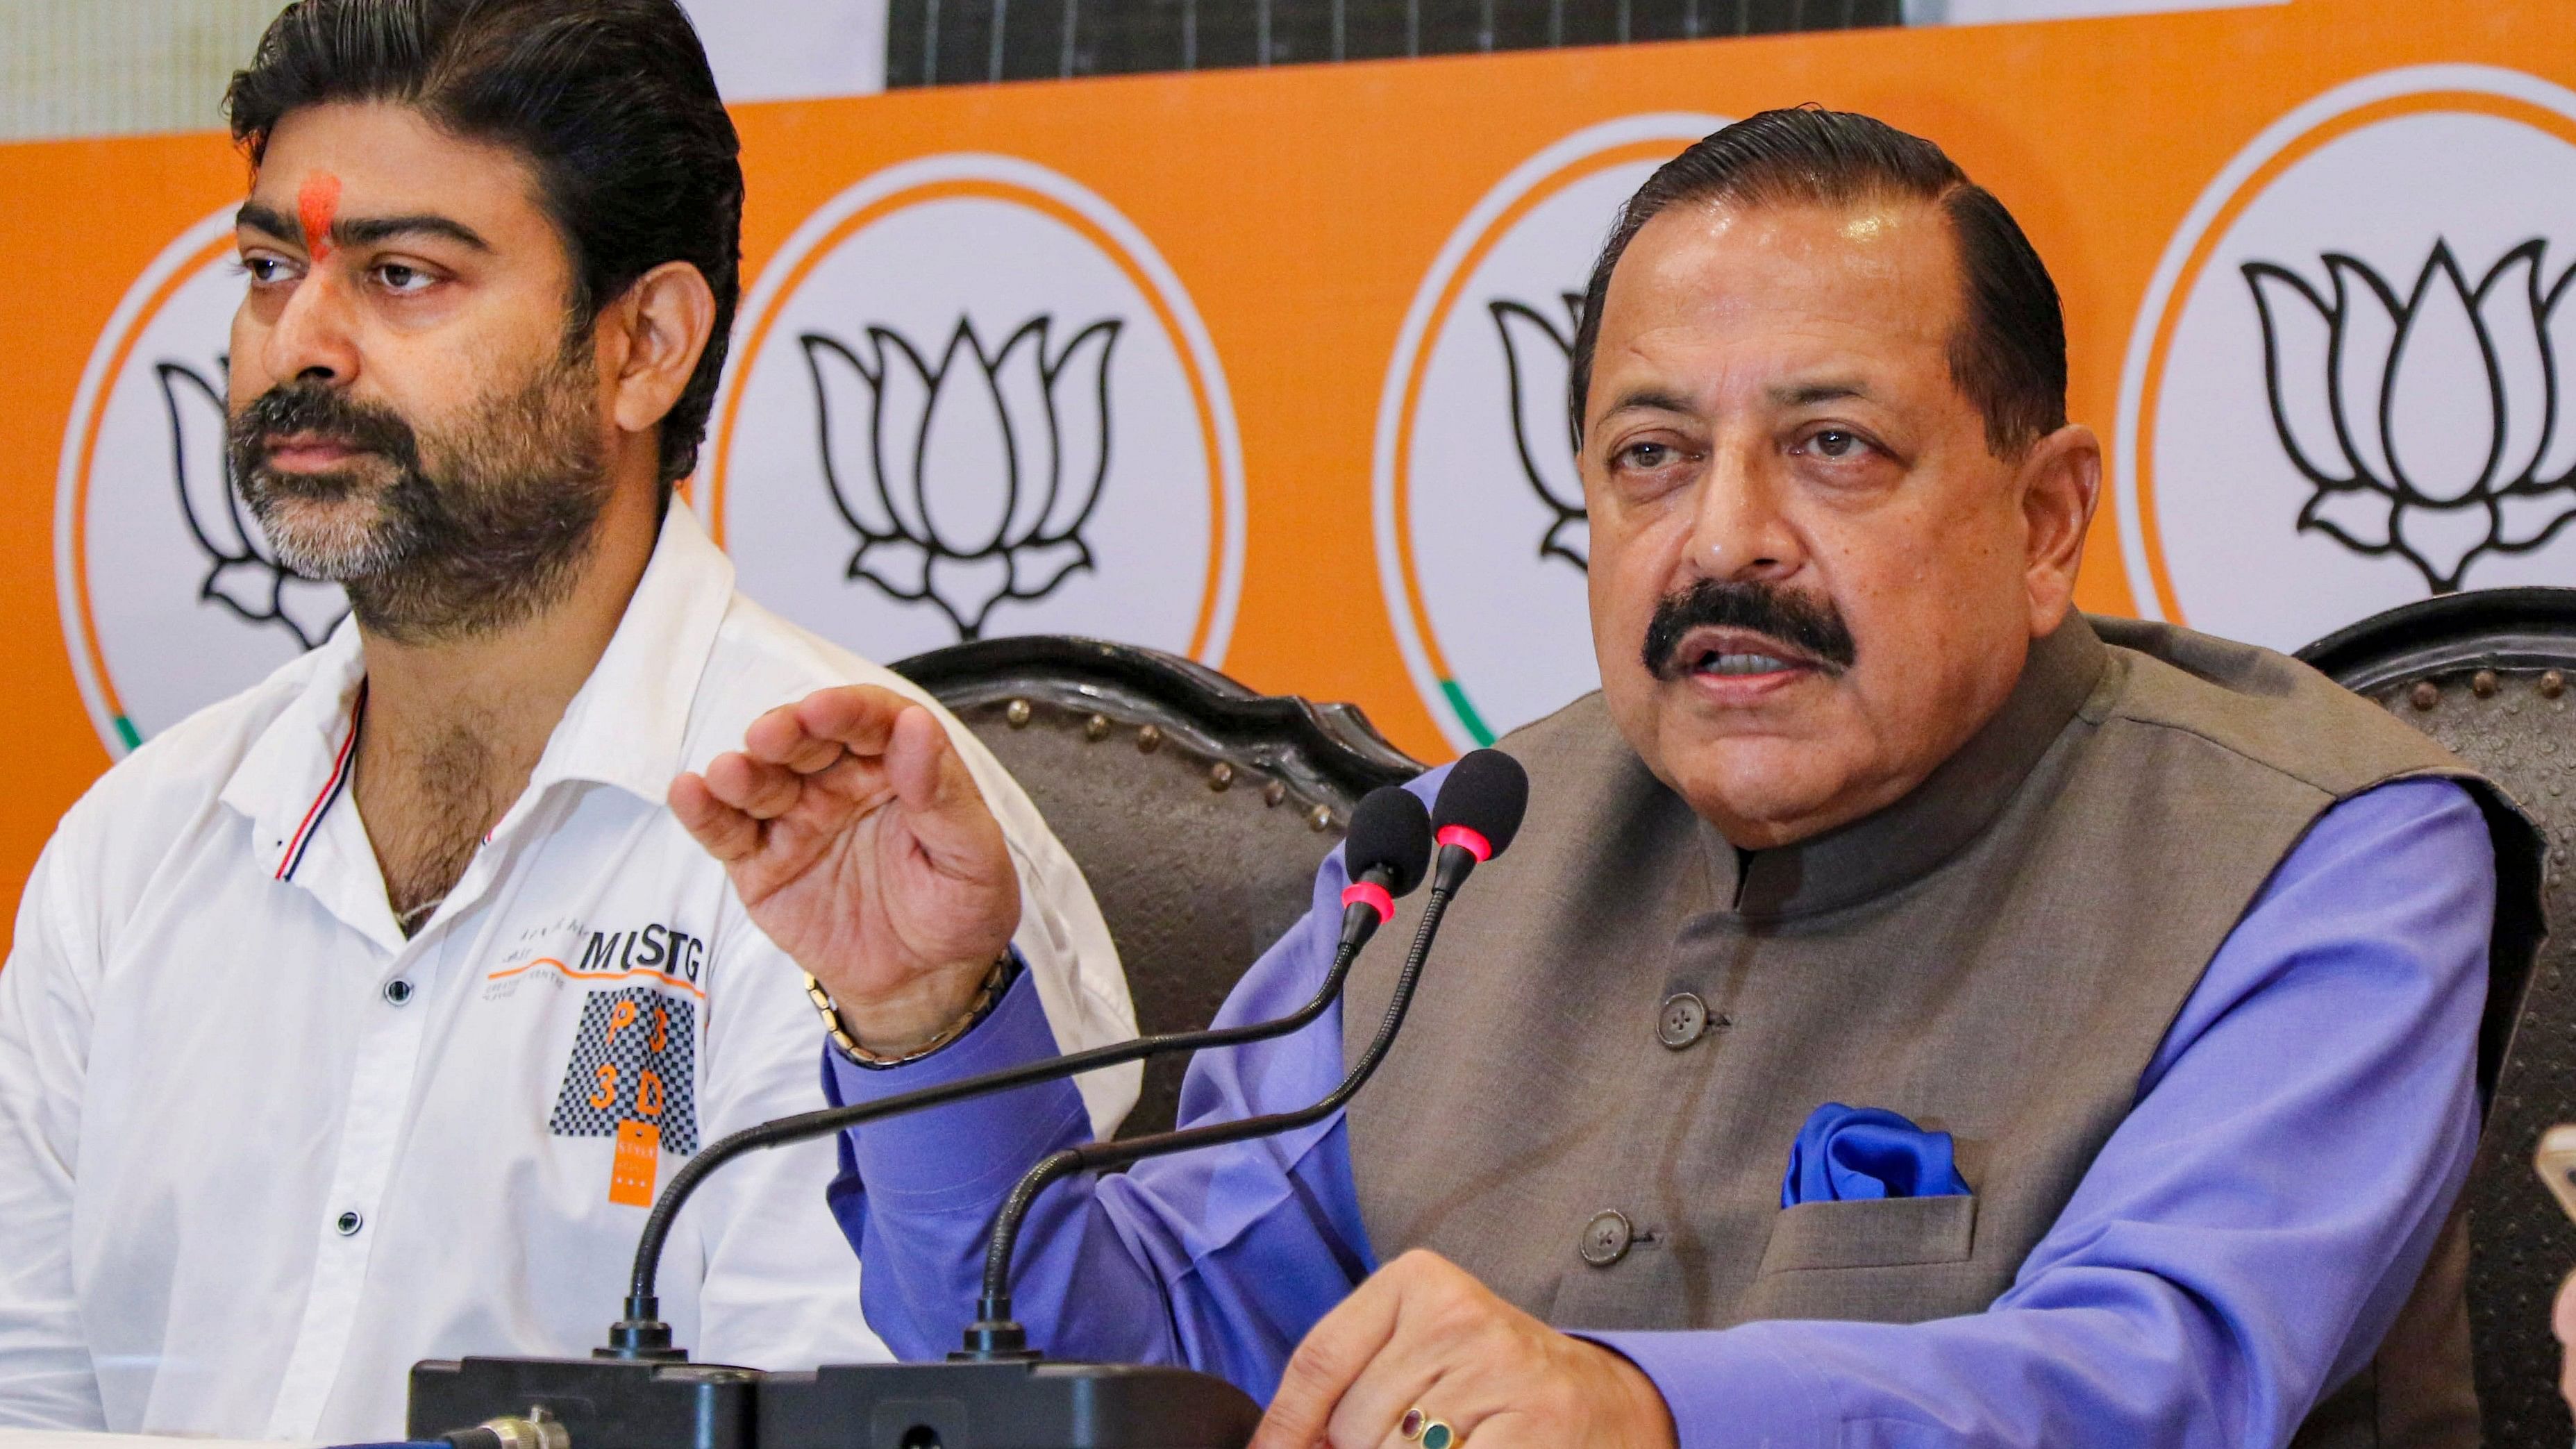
(2008, 354)
(610, 101)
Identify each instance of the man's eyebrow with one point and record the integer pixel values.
(1646, 399)
(1808, 394)
(267, 221)
(1804, 394)
(359, 231)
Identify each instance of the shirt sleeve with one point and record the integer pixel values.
(2248, 1234)
(45, 1375)
(1063, 941)
(1219, 1258)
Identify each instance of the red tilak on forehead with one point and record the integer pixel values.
(315, 204)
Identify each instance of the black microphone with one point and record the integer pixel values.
(1478, 812)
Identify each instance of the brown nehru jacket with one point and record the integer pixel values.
(1997, 955)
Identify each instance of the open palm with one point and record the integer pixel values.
(860, 845)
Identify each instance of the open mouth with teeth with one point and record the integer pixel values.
(1712, 661)
(1742, 664)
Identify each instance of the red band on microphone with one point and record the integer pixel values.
(1372, 894)
(1471, 841)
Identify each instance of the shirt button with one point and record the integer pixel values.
(1606, 1238)
(349, 1222)
(1682, 1021)
(397, 991)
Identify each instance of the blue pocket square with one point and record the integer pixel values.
(1867, 1152)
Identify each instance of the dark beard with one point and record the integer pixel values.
(488, 536)
(1812, 626)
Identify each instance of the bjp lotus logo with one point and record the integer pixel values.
(968, 479)
(245, 576)
(2423, 418)
(2347, 382)
(914, 444)
(1540, 360)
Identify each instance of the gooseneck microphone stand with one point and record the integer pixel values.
(1387, 848)
(994, 1335)
(640, 1392)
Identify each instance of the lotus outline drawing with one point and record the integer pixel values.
(1540, 360)
(246, 577)
(967, 479)
(2429, 423)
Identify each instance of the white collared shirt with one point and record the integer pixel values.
(259, 1153)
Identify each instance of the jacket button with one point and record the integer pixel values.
(1606, 1238)
(397, 992)
(1683, 1020)
(348, 1223)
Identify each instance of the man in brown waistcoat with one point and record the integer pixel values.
(1915, 1013)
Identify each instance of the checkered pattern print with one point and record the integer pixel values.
(635, 1060)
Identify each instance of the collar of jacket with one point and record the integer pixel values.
(2066, 672)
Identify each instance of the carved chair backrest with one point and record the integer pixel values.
(1197, 809)
(2492, 675)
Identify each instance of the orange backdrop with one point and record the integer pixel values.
(1301, 208)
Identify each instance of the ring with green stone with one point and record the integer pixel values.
(1430, 1433)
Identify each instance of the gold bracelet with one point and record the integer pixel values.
(996, 981)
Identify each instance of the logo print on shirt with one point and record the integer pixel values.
(634, 1062)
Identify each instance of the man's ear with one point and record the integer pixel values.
(651, 339)
(2061, 481)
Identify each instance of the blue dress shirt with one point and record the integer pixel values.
(2238, 1249)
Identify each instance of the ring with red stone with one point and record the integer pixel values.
(1430, 1433)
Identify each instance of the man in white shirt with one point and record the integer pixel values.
(357, 1019)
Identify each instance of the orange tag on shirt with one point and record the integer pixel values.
(638, 1161)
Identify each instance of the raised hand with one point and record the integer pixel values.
(859, 843)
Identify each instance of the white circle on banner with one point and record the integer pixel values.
(1482, 538)
(2353, 383)
(971, 400)
(169, 595)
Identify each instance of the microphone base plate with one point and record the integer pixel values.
(1003, 1404)
(610, 1403)
(993, 1404)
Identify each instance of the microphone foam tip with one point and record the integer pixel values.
(1390, 832)
(1487, 792)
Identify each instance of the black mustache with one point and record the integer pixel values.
(291, 408)
(1809, 625)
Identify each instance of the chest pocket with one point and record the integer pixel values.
(1871, 1233)
(1883, 1260)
